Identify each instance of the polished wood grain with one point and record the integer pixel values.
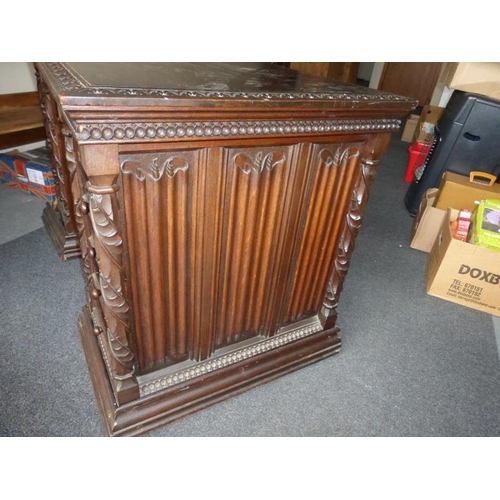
(21, 119)
(216, 222)
(341, 71)
(415, 79)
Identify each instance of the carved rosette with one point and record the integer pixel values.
(352, 223)
(110, 313)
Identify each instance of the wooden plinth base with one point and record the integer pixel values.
(66, 244)
(161, 407)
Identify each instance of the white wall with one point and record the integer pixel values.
(16, 77)
(376, 74)
(442, 93)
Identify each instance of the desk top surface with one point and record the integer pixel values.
(144, 102)
(250, 82)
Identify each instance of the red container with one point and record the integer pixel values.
(418, 153)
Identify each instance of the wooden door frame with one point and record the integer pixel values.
(432, 87)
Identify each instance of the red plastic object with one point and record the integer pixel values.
(418, 153)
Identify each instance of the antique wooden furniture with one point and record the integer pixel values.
(58, 217)
(216, 206)
(21, 120)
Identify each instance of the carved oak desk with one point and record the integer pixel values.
(216, 207)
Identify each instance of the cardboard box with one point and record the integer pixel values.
(410, 127)
(460, 192)
(463, 273)
(427, 124)
(29, 171)
(477, 77)
(427, 223)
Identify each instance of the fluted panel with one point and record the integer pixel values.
(258, 262)
(259, 191)
(334, 166)
(160, 220)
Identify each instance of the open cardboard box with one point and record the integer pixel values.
(425, 129)
(462, 192)
(410, 127)
(463, 273)
(427, 222)
(455, 191)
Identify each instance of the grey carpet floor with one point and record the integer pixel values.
(20, 213)
(411, 364)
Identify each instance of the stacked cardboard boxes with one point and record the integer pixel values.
(420, 128)
(455, 191)
(457, 271)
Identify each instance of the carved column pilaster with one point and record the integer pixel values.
(351, 225)
(108, 306)
(56, 146)
(51, 136)
(77, 180)
(59, 218)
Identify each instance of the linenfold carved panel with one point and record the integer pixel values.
(262, 187)
(259, 190)
(334, 168)
(162, 206)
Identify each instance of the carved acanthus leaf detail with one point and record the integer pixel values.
(105, 227)
(352, 223)
(114, 299)
(121, 353)
(156, 169)
(340, 156)
(259, 162)
(109, 245)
